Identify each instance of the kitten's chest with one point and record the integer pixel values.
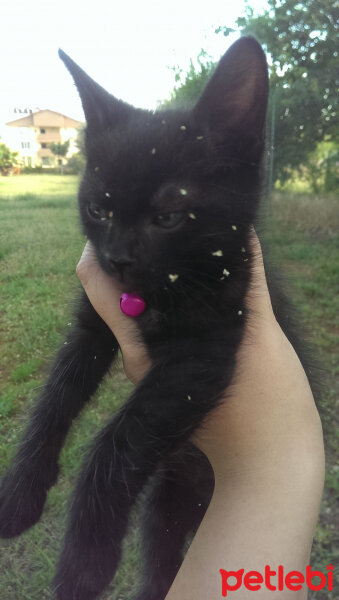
(189, 323)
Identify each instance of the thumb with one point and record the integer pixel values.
(104, 294)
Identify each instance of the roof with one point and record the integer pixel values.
(45, 118)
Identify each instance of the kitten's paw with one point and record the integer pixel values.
(18, 513)
(22, 499)
(84, 572)
(71, 584)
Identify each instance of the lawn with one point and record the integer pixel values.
(40, 246)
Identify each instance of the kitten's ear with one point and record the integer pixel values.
(235, 98)
(102, 110)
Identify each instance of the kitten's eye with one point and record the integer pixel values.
(97, 213)
(169, 220)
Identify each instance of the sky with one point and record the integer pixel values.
(128, 46)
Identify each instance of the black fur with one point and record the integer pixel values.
(184, 191)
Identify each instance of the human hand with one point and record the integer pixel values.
(266, 364)
(264, 443)
(104, 294)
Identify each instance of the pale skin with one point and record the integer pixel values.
(264, 443)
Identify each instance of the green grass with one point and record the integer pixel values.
(40, 246)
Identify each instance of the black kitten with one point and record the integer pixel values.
(167, 199)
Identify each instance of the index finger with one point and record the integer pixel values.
(258, 298)
(104, 294)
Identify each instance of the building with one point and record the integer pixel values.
(31, 136)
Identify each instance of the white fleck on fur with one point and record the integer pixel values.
(227, 273)
(217, 253)
(200, 137)
(192, 216)
(153, 151)
(183, 127)
(239, 312)
(183, 192)
(108, 195)
(110, 214)
(234, 227)
(173, 277)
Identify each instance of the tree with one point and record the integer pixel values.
(191, 83)
(80, 139)
(301, 40)
(322, 168)
(76, 163)
(8, 159)
(60, 150)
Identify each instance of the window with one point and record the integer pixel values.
(25, 145)
(45, 161)
(43, 145)
(42, 130)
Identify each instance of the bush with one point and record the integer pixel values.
(75, 164)
(8, 159)
(40, 170)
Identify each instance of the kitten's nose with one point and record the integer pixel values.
(119, 264)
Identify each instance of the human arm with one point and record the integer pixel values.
(264, 444)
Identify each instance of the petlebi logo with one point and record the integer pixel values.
(276, 580)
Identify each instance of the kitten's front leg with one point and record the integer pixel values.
(79, 366)
(164, 410)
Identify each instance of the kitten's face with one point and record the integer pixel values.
(157, 210)
(168, 197)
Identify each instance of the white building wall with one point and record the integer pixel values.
(23, 141)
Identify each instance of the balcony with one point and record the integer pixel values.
(43, 152)
(47, 138)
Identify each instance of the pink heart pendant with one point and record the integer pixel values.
(132, 305)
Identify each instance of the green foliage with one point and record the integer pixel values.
(59, 148)
(191, 83)
(80, 139)
(76, 163)
(8, 159)
(301, 39)
(38, 170)
(322, 167)
(331, 162)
